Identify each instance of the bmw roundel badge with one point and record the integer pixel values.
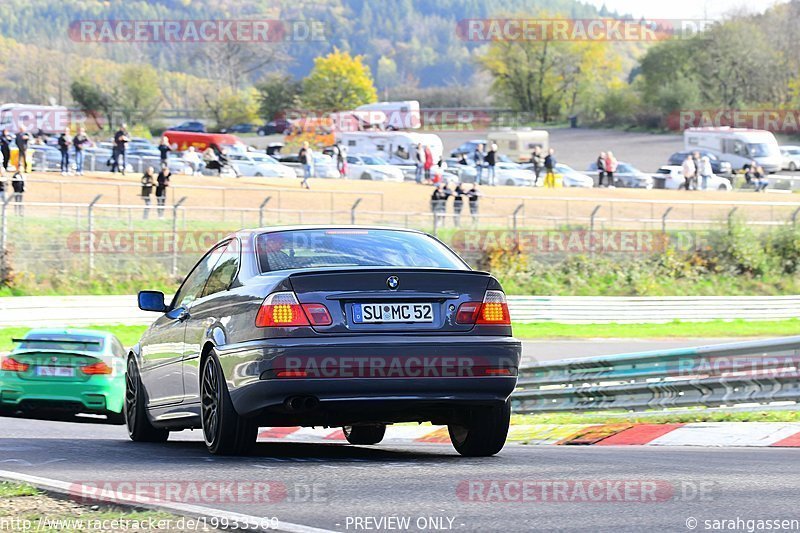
(392, 282)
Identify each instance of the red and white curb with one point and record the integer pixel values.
(733, 434)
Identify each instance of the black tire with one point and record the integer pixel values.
(366, 176)
(365, 434)
(484, 433)
(792, 167)
(224, 431)
(139, 427)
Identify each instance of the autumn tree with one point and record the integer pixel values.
(337, 82)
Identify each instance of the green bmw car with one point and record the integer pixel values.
(65, 370)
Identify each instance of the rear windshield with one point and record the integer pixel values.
(286, 250)
(73, 343)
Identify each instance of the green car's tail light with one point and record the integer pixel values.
(97, 369)
(10, 364)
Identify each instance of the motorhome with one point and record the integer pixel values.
(401, 115)
(396, 147)
(737, 146)
(518, 144)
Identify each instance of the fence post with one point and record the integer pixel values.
(261, 211)
(90, 223)
(175, 235)
(664, 221)
(730, 217)
(4, 229)
(519, 208)
(591, 228)
(794, 217)
(353, 211)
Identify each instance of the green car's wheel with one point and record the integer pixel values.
(139, 427)
(224, 431)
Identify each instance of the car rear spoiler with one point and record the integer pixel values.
(65, 341)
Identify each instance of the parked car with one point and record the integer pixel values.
(468, 148)
(627, 176)
(239, 128)
(279, 126)
(571, 177)
(718, 166)
(324, 166)
(152, 157)
(260, 165)
(65, 371)
(465, 173)
(318, 326)
(791, 157)
(673, 179)
(370, 167)
(194, 126)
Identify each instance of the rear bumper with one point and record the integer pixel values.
(97, 394)
(390, 378)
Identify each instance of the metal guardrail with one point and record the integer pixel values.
(754, 374)
(650, 309)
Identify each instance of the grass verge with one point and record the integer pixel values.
(701, 415)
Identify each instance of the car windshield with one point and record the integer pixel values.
(760, 149)
(371, 160)
(77, 343)
(286, 250)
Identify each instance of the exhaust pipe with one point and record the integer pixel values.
(301, 403)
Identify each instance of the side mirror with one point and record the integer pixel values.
(152, 301)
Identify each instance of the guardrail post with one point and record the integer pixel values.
(90, 224)
(175, 208)
(353, 211)
(261, 211)
(519, 208)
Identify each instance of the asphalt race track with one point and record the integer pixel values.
(426, 481)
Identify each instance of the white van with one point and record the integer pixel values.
(738, 146)
(396, 147)
(400, 115)
(518, 144)
(47, 118)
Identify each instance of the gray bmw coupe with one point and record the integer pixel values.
(352, 327)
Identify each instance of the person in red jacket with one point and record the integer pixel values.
(428, 163)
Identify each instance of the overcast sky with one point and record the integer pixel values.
(673, 9)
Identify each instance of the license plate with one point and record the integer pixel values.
(55, 371)
(394, 312)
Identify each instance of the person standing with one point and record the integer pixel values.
(64, 142)
(601, 168)
(6, 139)
(537, 159)
(439, 204)
(458, 204)
(18, 185)
(689, 169)
(473, 196)
(164, 149)
(341, 160)
(148, 180)
(307, 160)
(611, 165)
(428, 165)
(419, 159)
(479, 158)
(705, 172)
(550, 169)
(162, 183)
(491, 162)
(120, 144)
(2, 189)
(22, 140)
(80, 142)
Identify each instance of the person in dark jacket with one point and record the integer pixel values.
(64, 142)
(6, 140)
(80, 142)
(479, 158)
(537, 160)
(162, 182)
(601, 169)
(491, 162)
(473, 195)
(164, 149)
(18, 184)
(439, 204)
(550, 168)
(148, 180)
(120, 149)
(458, 203)
(22, 140)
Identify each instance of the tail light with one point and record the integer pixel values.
(12, 365)
(318, 314)
(281, 310)
(492, 311)
(97, 369)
